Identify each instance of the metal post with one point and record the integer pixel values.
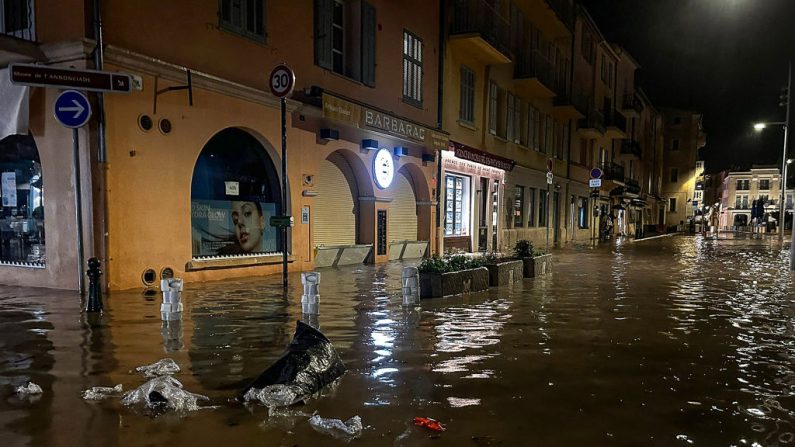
(78, 210)
(284, 191)
(547, 215)
(784, 181)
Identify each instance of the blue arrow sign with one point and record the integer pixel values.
(72, 109)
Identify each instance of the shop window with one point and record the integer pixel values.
(22, 198)
(518, 207)
(672, 205)
(531, 207)
(467, 109)
(412, 68)
(456, 219)
(582, 213)
(764, 184)
(244, 17)
(235, 191)
(345, 33)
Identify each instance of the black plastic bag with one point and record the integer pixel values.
(309, 364)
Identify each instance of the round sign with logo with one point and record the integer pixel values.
(282, 81)
(383, 168)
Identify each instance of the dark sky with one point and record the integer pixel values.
(725, 58)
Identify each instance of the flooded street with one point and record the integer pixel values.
(675, 341)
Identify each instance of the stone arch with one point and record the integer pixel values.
(422, 195)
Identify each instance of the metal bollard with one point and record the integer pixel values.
(171, 308)
(310, 300)
(411, 286)
(94, 303)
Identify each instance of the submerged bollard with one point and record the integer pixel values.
(411, 286)
(94, 303)
(171, 309)
(310, 300)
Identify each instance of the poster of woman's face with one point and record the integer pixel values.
(233, 227)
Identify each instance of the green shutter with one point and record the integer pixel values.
(324, 10)
(368, 44)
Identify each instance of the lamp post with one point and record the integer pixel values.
(785, 124)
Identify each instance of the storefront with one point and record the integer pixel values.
(370, 189)
(472, 184)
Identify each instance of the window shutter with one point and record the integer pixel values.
(323, 33)
(368, 44)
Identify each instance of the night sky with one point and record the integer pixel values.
(725, 58)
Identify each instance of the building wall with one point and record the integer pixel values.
(684, 127)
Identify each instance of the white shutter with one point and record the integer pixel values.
(402, 211)
(334, 217)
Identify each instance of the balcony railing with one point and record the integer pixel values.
(632, 102)
(479, 17)
(532, 64)
(615, 119)
(612, 171)
(593, 120)
(630, 146)
(17, 19)
(575, 98)
(632, 186)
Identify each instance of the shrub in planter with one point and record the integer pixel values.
(452, 275)
(503, 270)
(535, 261)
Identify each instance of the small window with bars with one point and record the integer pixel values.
(412, 68)
(244, 17)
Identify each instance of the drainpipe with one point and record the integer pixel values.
(439, 121)
(572, 128)
(99, 56)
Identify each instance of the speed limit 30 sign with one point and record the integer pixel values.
(282, 81)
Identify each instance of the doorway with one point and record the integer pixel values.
(556, 216)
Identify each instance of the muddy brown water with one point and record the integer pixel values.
(677, 341)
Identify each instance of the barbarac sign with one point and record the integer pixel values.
(470, 153)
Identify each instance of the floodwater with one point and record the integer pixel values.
(675, 341)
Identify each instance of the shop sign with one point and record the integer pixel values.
(341, 110)
(454, 164)
(481, 157)
(394, 126)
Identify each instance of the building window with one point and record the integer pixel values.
(765, 198)
(234, 192)
(789, 201)
(535, 128)
(741, 201)
(549, 135)
(518, 207)
(542, 208)
(764, 184)
(244, 17)
(675, 144)
(412, 68)
(517, 120)
(456, 219)
(509, 122)
(493, 99)
(22, 210)
(743, 185)
(467, 109)
(588, 47)
(674, 175)
(582, 213)
(344, 33)
(603, 69)
(672, 205)
(531, 207)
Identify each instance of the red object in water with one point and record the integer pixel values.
(432, 424)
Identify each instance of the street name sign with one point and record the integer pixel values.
(90, 80)
(282, 81)
(72, 109)
(281, 221)
(595, 183)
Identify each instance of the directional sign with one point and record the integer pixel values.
(72, 109)
(596, 173)
(595, 183)
(282, 81)
(549, 178)
(91, 80)
(281, 221)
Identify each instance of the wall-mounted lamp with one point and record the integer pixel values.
(400, 151)
(369, 145)
(329, 134)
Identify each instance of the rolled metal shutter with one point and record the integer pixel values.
(402, 211)
(334, 208)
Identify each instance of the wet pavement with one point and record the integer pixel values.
(674, 341)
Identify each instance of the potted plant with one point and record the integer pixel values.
(452, 275)
(502, 269)
(535, 262)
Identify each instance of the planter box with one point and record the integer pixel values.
(537, 265)
(433, 285)
(505, 273)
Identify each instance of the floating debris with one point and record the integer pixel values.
(346, 431)
(29, 390)
(164, 392)
(101, 392)
(163, 367)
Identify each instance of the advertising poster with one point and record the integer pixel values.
(9, 188)
(221, 227)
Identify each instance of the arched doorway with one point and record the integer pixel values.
(409, 214)
(234, 192)
(402, 211)
(22, 210)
